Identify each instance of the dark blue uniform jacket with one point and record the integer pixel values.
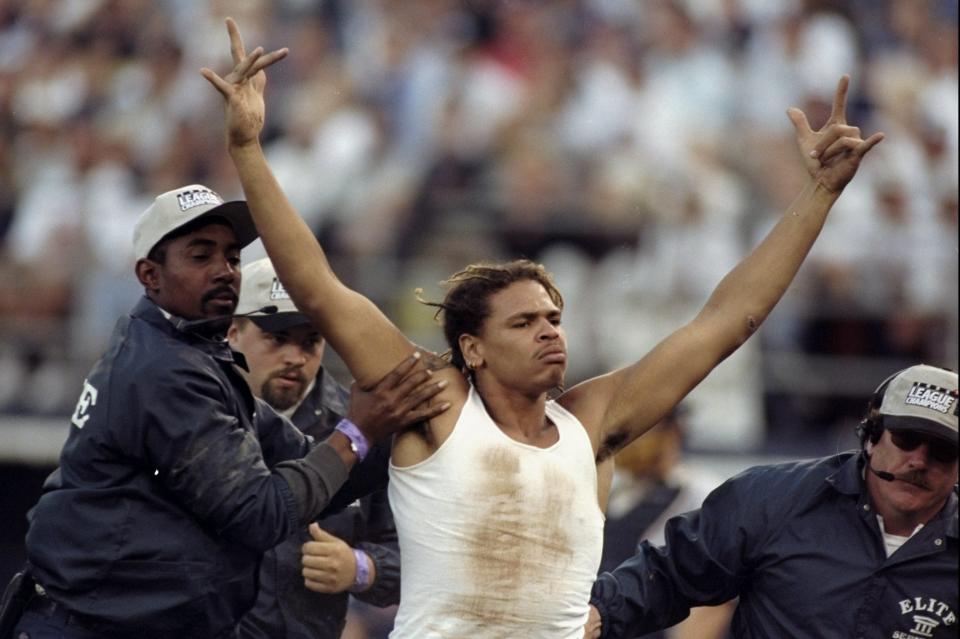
(800, 545)
(164, 500)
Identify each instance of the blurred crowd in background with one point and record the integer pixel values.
(637, 148)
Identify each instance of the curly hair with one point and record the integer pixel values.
(466, 305)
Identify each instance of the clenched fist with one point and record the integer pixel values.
(329, 565)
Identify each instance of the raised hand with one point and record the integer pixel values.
(242, 88)
(832, 154)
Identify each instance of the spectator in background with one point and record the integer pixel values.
(650, 486)
(435, 99)
(355, 550)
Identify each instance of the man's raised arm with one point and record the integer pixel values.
(626, 403)
(367, 341)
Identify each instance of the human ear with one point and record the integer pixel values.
(471, 349)
(232, 333)
(148, 274)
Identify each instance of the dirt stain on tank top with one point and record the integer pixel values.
(517, 545)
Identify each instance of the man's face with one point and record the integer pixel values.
(522, 343)
(200, 277)
(923, 481)
(282, 364)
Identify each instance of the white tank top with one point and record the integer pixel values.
(498, 538)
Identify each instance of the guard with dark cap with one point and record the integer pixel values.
(174, 479)
(860, 544)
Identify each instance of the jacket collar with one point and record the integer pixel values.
(848, 479)
(169, 324)
(326, 394)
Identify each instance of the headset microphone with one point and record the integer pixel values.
(882, 474)
(184, 325)
(266, 310)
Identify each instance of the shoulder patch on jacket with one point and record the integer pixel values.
(88, 398)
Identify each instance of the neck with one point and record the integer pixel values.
(288, 412)
(902, 526)
(214, 328)
(515, 412)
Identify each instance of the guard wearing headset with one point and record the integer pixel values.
(860, 544)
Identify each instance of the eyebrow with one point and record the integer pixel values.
(530, 315)
(201, 241)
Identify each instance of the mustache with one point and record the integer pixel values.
(915, 477)
(291, 372)
(216, 292)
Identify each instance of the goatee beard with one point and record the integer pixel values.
(280, 400)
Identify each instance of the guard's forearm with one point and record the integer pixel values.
(314, 479)
(385, 575)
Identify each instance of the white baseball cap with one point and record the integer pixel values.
(261, 292)
(174, 209)
(922, 398)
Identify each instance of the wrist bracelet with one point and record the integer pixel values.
(358, 442)
(363, 571)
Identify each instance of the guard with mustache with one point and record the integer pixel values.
(859, 544)
(174, 479)
(357, 547)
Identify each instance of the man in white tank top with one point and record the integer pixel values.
(496, 500)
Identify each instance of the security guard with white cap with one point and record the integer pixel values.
(174, 480)
(359, 553)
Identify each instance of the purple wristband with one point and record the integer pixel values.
(363, 571)
(358, 442)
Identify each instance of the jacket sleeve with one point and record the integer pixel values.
(209, 461)
(367, 477)
(280, 439)
(379, 541)
(704, 561)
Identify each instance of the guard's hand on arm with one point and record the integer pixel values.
(832, 153)
(593, 628)
(330, 564)
(242, 88)
(398, 400)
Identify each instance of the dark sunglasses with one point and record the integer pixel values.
(937, 448)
